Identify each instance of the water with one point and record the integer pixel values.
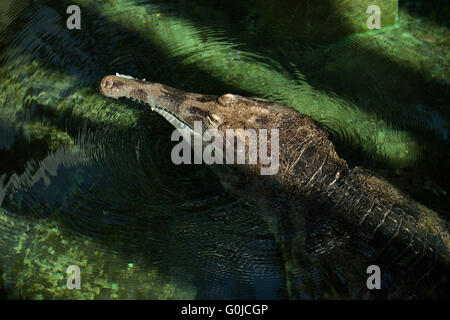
(88, 181)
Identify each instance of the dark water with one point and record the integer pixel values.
(88, 181)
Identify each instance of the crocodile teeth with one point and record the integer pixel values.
(177, 123)
(124, 76)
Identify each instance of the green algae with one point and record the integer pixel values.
(35, 267)
(331, 20)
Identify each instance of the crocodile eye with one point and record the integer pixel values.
(214, 119)
(227, 99)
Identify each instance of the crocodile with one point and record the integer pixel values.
(323, 212)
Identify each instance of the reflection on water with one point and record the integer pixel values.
(88, 181)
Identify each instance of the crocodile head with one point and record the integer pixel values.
(198, 113)
(182, 109)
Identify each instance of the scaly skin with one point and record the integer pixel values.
(314, 196)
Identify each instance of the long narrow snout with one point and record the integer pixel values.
(175, 105)
(160, 98)
(118, 86)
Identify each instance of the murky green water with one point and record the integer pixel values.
(88, 181)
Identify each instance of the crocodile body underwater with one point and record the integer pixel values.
(332, 221)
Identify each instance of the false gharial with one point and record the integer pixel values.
(331, 220)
